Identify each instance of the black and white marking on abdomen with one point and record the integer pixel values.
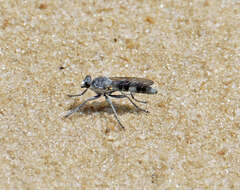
(143, 89)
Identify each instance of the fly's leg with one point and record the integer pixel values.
(114, 111)
(144, 102)
(125, 96)
(69, 95)
(81, 105)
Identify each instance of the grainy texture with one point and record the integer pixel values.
(191, 138)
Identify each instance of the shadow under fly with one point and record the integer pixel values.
(104, 86)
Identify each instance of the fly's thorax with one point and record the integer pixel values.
(101, 85)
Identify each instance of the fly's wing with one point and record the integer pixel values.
(131, 84)
(133, 81)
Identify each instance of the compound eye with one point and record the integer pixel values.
(88, 79)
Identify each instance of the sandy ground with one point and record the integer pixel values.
(189, 140)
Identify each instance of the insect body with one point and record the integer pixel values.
(104, 86)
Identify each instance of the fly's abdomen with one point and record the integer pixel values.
(142, 89)
(121, 85)
(129, 86)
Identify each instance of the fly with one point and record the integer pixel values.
(104, 86)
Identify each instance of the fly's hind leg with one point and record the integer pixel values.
(144, 102)
(125, 96)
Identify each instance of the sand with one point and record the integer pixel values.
(189, 140)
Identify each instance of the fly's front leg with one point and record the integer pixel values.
(81, 105)
(69, 95)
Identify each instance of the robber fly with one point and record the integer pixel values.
(104, 86)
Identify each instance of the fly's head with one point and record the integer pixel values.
(87, 82)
